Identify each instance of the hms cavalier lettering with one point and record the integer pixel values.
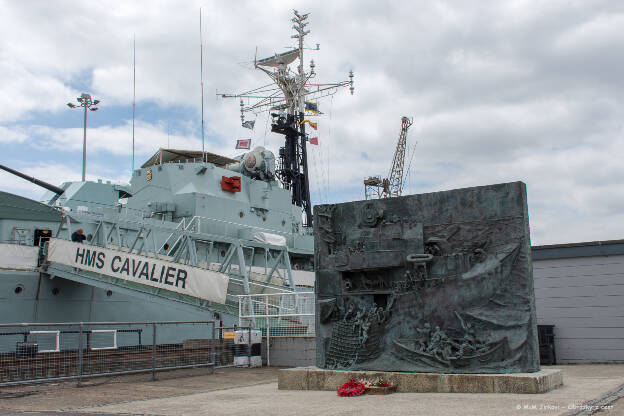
(139, 269)
(176, 277)
(88, 257)
(148, 271)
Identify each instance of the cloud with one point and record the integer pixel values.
(12, 135)
(499, 91)
(26, 91)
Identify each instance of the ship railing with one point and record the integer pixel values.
(196, 222)
(237, 285)
(189, 160)
(44, 352)
(177, 234)
(259, 287)
(229, 228)
(279, 315)
(16, 242)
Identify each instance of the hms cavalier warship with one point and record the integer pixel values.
(190, 232)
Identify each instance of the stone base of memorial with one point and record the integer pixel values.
(313, 378)
(380, 390)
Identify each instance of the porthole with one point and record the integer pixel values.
(56, 291)
(166, 247)
(283, 223)
(241, 214)
(263, 219)
(222, 253)
(18, 289)
(109, 293)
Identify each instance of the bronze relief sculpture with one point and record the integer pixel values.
(438, 282)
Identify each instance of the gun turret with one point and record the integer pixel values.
(257, 164)
(34, 180)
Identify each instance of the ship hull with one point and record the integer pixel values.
(41, 299)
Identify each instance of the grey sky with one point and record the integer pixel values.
(499, 91)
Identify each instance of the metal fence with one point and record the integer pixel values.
(38, 352)
(279, 316)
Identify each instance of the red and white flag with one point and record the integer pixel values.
(314, 141)
(243, 144)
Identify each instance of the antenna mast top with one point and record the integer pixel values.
(287, 98)
(289, 89)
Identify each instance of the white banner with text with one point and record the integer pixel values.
(18, 257)
(176, 277)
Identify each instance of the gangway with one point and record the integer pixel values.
(94, 263)
(237, 278)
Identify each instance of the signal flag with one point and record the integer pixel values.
(313, 125)
(243, 144)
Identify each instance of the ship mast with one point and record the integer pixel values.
(285, 98)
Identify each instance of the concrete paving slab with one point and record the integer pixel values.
(111, 390)
(582, 383)
(617, 409)
(254, 391)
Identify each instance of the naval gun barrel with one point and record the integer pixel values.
(34, 180)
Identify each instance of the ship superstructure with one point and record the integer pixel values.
(215, 214)
(190, 232)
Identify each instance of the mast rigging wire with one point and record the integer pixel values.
(201, 76)
(133, 95)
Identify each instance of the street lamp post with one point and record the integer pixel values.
(85, 101)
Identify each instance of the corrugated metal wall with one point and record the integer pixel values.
(584, 298)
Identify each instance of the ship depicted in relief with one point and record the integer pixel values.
(463, 279)
(426, 272)
(384, 274)
(190, 232)
(451, 353)
(438, 349)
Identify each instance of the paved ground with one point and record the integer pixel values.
(254, 391)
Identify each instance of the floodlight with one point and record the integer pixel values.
(86, 102)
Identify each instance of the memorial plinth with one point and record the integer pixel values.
(313, 378)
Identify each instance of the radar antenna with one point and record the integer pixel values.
(286, 98)
(374, 186)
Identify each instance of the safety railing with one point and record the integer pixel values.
(278, 315)
(41, 352)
